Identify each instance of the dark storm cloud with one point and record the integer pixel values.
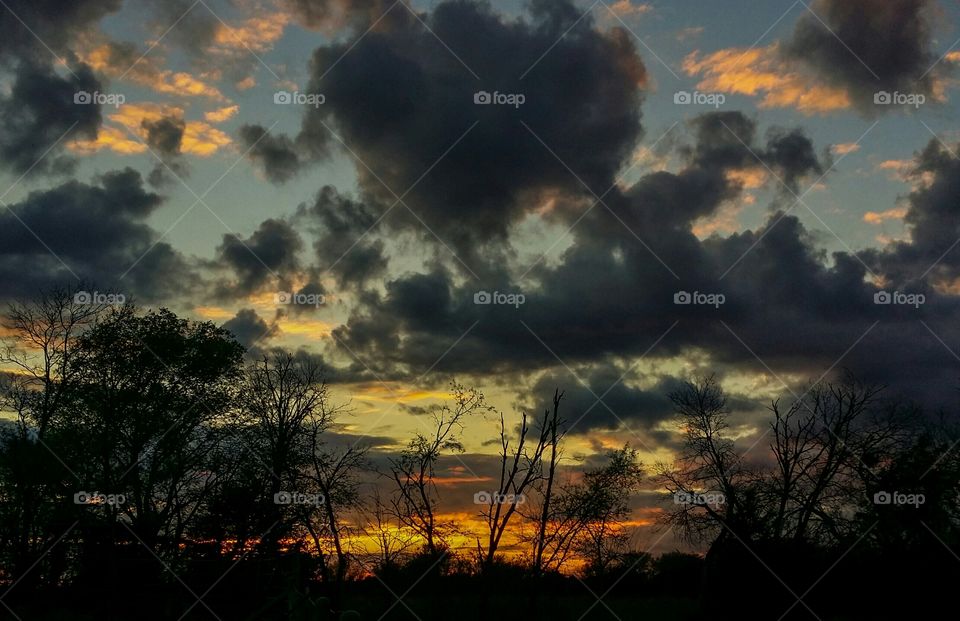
(268, 256)
(601, 398)
(165, 137)
(343, 244)
(40, 109)
(40, 115)
(868, 46)
(54, 24)
(250, 330)
(796, 308)
(610, 294)
(400, 101)
(326, 14)
(933, 220)
(98, 231)
(275, 155)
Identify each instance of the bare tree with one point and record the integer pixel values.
(820, 444)
(713, 490)
(520, 468)
(552, 429)
(334, 473)
(41, 346)
(415, 495)
(393, 540)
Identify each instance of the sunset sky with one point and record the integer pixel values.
(325, 176)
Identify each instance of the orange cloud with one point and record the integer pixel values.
(626, 8)
(845, 148)
(257, 33)
(199, 138)
(213, 312)
(111, 138)
(245, 84)
(147, 72)
(221, 114)
(760, 72)
(748, 178)
(875, 217)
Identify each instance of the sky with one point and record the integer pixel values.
(605, 197)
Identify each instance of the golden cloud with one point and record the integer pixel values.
(257, 34)
(221, 114)
(845, 148)
(878, 217)
(761, 72)
(147, 72)
(199, 138)
(626, 8)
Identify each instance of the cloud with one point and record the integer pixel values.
(609, 296)
(866, 46)
(198, 137)
(402, 102)
(874, 217)
(165, 139)
(40, 115)
(221, 114)
(343, 244)
(250, 329)
(840, 54)
(276, 155)
(122, 59)
(762, 72)
(96, 232)
(257, 34)
(845, 148)
(268, 255)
